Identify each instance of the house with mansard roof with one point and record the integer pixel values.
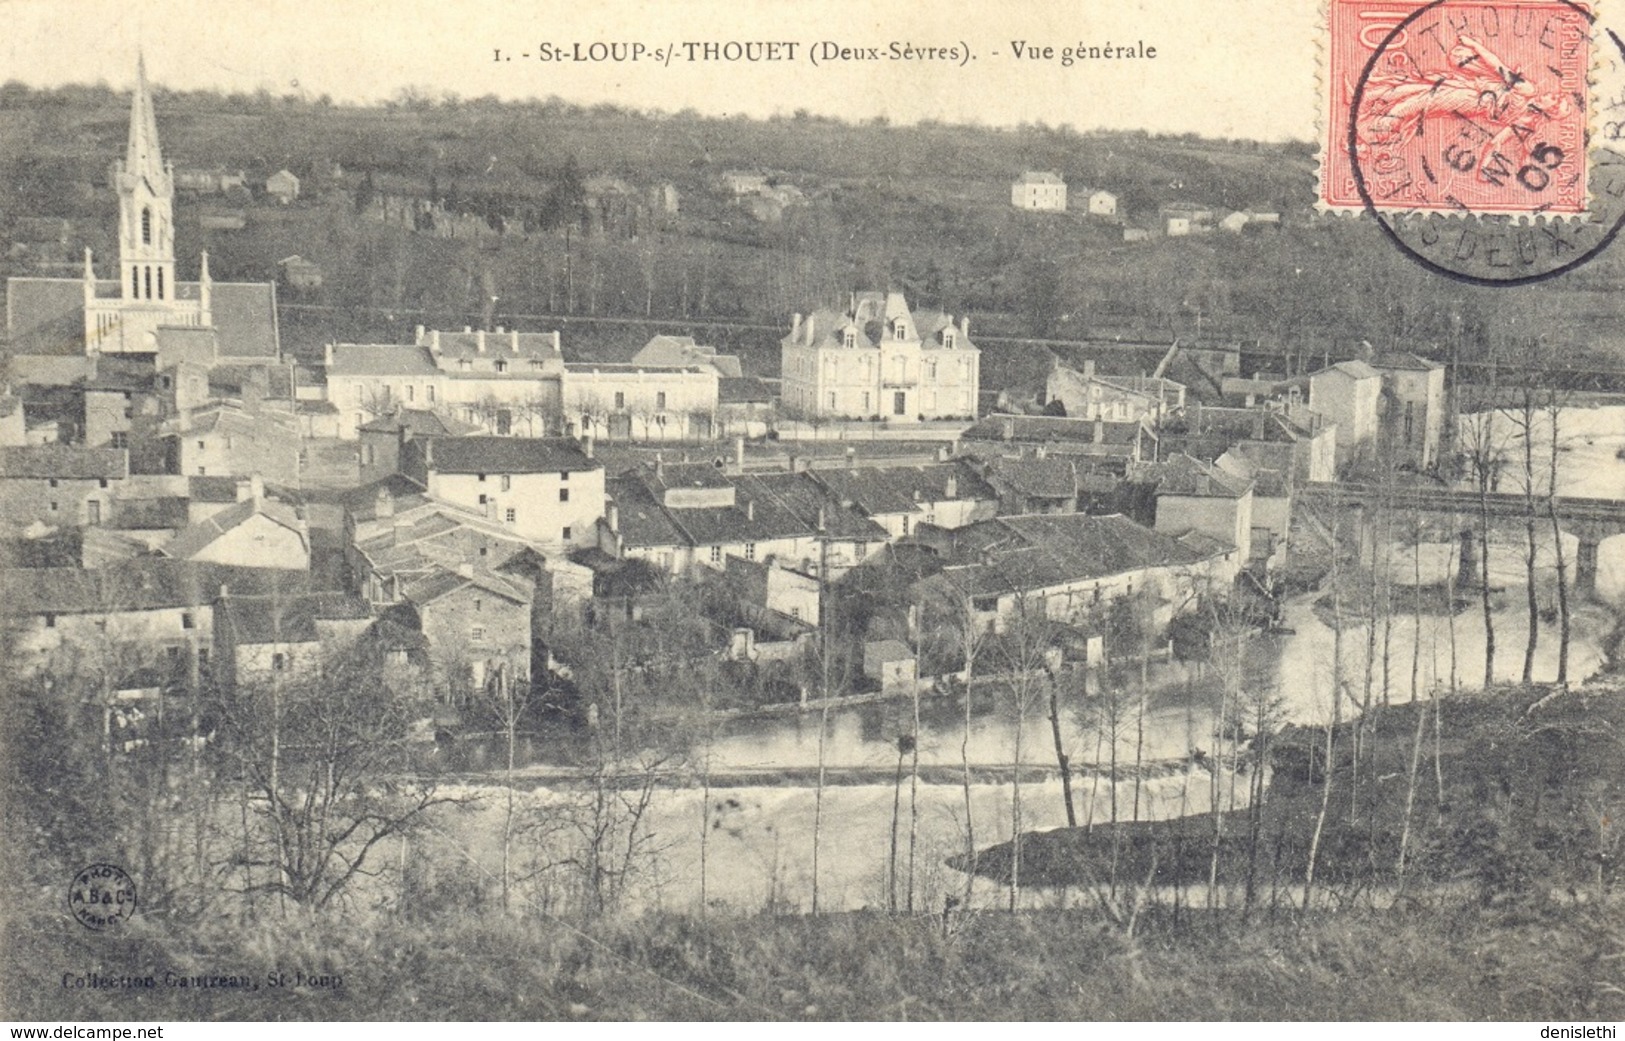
(879, 359)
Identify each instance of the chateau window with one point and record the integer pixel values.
(831, 399)
(716, 554)
(620, 399)
(660, 399)
(930, 370)
(512, 515)
(464, 364)
(430, 394)
(146, 226)
(750, 551)
(565, 476)
(187, 621)
(901, 330)
(564, 495)
(948, 338)
(411, 393)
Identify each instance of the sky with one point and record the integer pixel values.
(1223, 68)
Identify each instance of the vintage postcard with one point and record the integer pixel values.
(827, 511)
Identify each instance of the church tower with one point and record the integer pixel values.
(146, 197)
(148, 299)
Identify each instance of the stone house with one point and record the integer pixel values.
(546, 490)
(59, 485)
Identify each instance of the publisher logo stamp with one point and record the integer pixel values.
(101, 896)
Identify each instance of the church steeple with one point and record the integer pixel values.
(141, 155)
(146, 206)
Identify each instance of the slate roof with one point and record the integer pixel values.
(381, 359)
(1039, 551)
(1356, 369)
(1053, 429)
(193, 539)
(682, 350)
(64, 462)
(510, 455)
(284, 619)
(1051, 478)
(536, 346)
(362, 502)
(419, 422)
(1041, 177)
(444, 581)
(1183, 475)
(903, 489)
(142, 583)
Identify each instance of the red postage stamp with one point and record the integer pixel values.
(1452, 106)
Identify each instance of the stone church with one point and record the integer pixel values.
(57, 327)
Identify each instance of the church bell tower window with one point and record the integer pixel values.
(146, 226)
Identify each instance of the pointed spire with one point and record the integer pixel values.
(142, 156)
(90, 270)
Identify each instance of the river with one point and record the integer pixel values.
(758, 853)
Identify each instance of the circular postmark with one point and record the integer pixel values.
(1471, 140)
(101, 896)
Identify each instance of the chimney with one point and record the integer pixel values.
(851, 456)
(660, 467)
(419, 338)
(951, 489)
(500, 330)
(556, 348)
(1041, 452)
(479, 341)
(944, 453)
(1258, 425)
(513, 340)
(810, 324)
(1100, 431)
(795, 321)
(383, 507)
(434, 341)
(1009, 428)
(586, 443)
(465, 570)
(1089, 369)
(468, 328)
(612, 517)
(327, 355)
(739, 454)
(750, 509)
(820, 518)
(964, 326)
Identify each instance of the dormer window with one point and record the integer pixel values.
(948, 338)
(502, 366)
(901, 329)
(850, 339)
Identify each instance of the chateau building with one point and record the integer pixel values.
(880, 359)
